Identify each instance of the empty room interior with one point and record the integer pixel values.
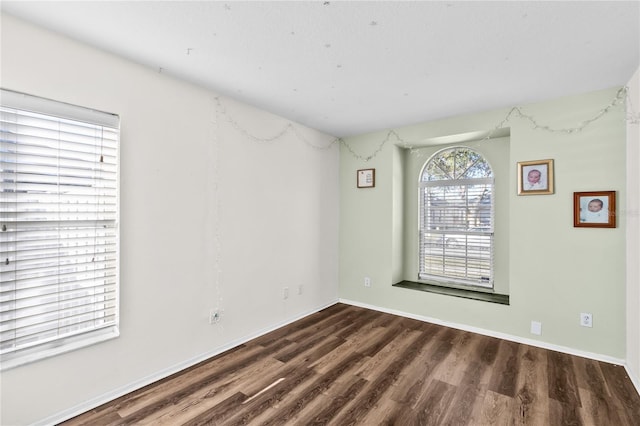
(327, 212)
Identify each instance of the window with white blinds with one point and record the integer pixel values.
(58, 227)
(456, 219)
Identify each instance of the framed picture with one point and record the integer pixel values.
(535, 177)
(595, 209)
(366, 178)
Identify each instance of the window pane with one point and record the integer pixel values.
(456, 163)
(456, 216)
(58, 231)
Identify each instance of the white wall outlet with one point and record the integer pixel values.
(367, 282)
(214, 316)
(586, 320)
(299, 289)
(536, 328)
(285, 293)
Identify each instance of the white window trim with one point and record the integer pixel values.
(55, 346)
(448, 281)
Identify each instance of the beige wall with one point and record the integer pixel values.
(552, 271)
(193, 190)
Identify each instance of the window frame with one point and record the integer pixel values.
(444, 279)
(106, 290)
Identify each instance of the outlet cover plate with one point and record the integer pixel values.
(586, 319)
(536, 328)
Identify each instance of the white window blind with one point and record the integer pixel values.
(58, 227)
(456, 219)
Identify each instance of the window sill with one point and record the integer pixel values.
(44, 351)
(502, 299)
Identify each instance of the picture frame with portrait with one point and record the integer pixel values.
(535, 177)
(594, 209)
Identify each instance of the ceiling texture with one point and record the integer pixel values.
(353, 67)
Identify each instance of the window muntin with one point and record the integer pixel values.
(456, 219)
(58, 227)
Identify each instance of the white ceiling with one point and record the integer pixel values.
(351, 67)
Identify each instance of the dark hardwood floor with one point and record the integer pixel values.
(351, 366)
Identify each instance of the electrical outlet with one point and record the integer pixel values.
(300, 289)
(367, 282)
(285, 293)
(536, 328)
(586, 320)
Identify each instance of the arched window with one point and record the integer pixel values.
(456, 219)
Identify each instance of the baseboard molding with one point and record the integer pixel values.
(504, 336)
(116, 393)
(633, 378)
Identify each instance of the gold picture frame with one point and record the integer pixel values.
(535, 177)
(594, 209)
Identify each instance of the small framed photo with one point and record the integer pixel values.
(366, 178)
(595, 209)
(535, 177)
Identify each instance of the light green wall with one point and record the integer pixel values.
(552, 271)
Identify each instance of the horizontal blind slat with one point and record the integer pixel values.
(78, 269)
(12, 145)
(14, 292)
(25, 315)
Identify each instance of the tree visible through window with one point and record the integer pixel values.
(456, 219)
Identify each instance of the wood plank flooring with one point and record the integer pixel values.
(347, 365)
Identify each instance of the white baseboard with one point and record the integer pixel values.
(116, 393)
(504, 336)
(633, 378)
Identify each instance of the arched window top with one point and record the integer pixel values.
(456, 163)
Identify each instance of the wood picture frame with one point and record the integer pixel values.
(594, 209)
(535, 177)
(366, 178)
